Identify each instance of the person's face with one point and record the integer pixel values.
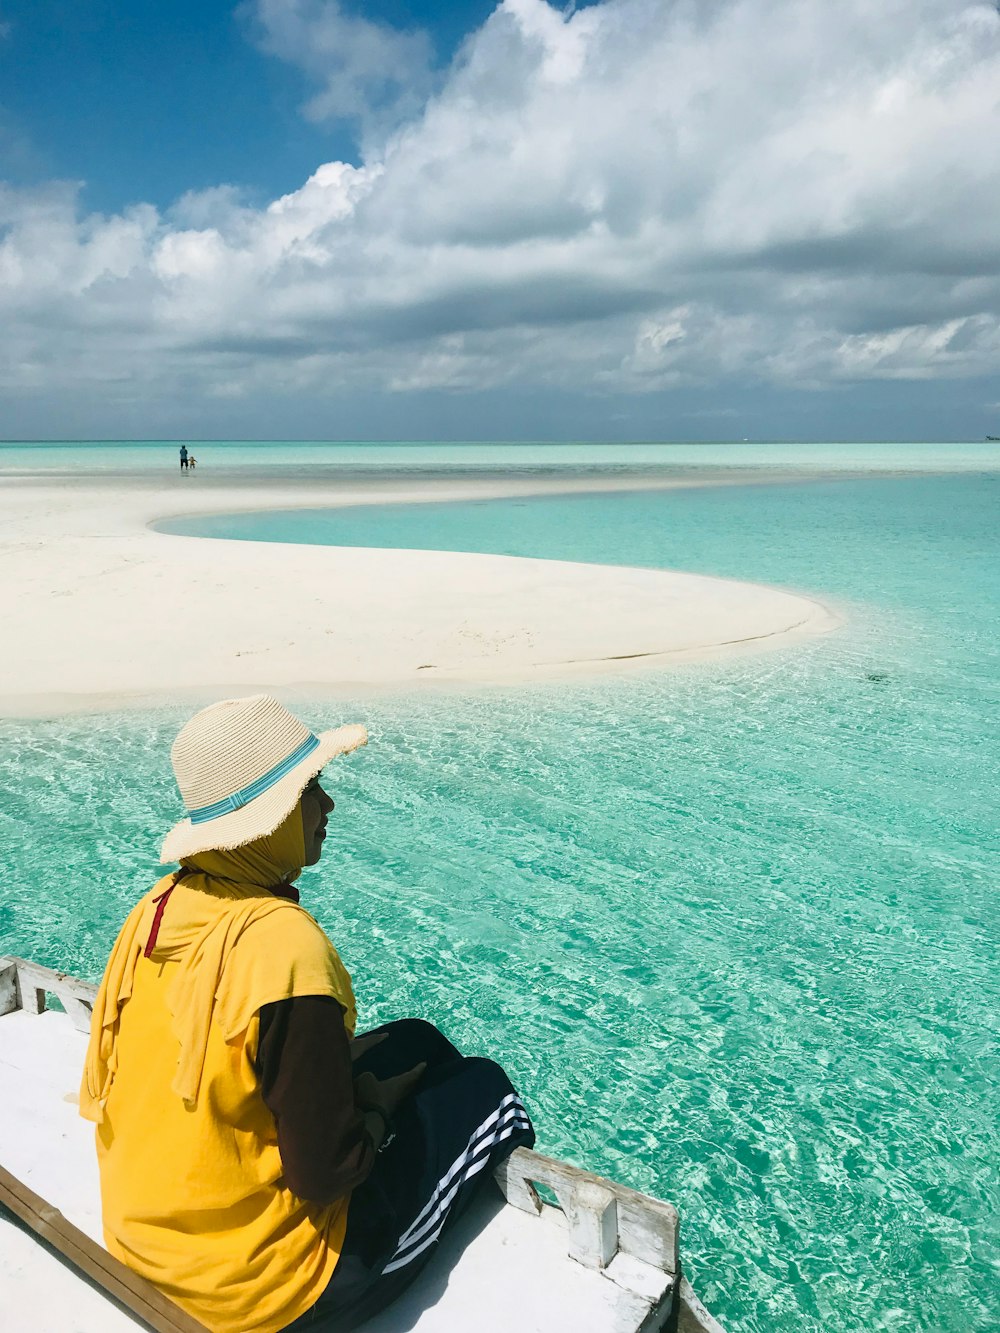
(316, 805)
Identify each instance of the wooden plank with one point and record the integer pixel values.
(59, 983)
(79, 1012)
(592, 1213)
(128, 1288)
(35, 982)
(694, 1318)
(646, 1228)
(32, 997)
(9, 997)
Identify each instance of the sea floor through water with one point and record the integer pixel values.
(732, 927)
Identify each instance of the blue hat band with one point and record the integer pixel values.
(256, 788)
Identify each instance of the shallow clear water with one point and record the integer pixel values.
(233, 456)
(732, 927)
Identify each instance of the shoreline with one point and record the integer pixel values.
(104, 611)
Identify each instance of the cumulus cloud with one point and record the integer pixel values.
(635, 197)
(367, 72)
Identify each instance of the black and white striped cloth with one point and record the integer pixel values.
(506, 1120)
(461, 1121)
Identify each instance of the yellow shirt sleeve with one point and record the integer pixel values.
(278, 957)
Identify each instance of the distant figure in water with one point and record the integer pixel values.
(263, 1163)
(192, 462)
(184, 458)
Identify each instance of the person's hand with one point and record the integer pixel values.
(366, 1043)
(387, 1092)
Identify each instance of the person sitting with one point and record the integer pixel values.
(262, 1165)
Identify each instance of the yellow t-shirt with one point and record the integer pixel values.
(193, 1193)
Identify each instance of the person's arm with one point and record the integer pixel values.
(327, 1144)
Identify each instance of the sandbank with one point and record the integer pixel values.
(99, 610)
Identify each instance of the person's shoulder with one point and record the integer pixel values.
(280, 954)
(287, 928)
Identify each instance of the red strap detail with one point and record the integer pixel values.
(161, 902)
(288, 891)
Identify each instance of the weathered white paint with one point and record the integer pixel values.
(636, 1225)
(9, 999)
(39, 1294)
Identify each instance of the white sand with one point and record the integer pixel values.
(99, 610)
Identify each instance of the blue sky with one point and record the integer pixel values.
(145, 100)
(631, 219)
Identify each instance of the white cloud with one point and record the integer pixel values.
(957, 347)
(367, 71)
(641, 195)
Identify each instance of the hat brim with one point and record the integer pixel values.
(262, 815)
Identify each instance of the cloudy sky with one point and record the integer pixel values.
(636, 219)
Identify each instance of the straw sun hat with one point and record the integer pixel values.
(241, 766)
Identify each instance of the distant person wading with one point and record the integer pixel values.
(264, 1166)
(184, 458)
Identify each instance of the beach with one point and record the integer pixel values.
(718, 915)
(101, 610)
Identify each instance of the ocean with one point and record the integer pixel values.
(731, 926)
(149, 457)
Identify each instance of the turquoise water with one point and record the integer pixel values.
(732, 927)
(229, 456)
